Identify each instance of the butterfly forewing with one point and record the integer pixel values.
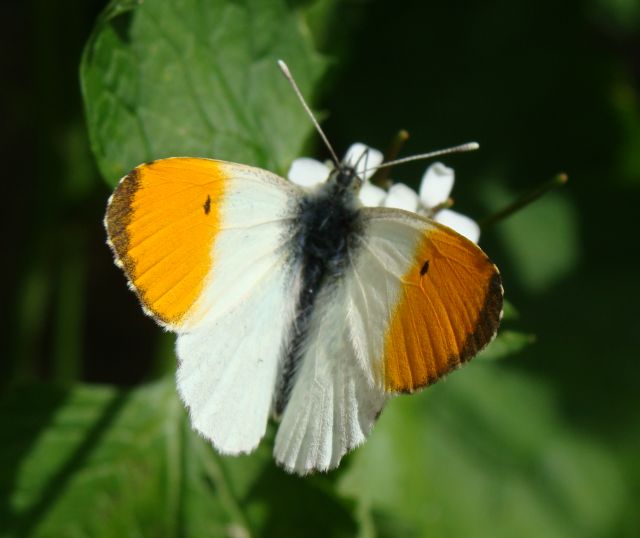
(162, 220)
(445, 305)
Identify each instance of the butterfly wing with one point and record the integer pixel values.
(416, 301)
(332, 406)
(444, 299)
(202, 244)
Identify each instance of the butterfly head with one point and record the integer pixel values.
(346, 178)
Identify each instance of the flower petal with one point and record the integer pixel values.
(372, 160)
(308, 172)
(401, 197)
(436, 185)
(460, 223)
(371, 195)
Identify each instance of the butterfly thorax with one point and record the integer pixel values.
(326, 221)
(326, 233)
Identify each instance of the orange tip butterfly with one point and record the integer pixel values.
(296, 303)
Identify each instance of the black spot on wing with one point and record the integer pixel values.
(207, 205)
(425, 268)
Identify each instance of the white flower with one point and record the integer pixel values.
(435, 188)
(308, 172)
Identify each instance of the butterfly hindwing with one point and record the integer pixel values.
(228, 368)
(333, 404)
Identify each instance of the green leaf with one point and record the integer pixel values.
(101, 462)
(625, 104)
(193, 78)
(483, 453)
(507, 343)
(620, 15)
(542, 239)
(509, 311)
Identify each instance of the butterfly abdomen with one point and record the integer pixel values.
(326, 232)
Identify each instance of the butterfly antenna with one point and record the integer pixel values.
(285, 70)
(364, 155)
(470, 146)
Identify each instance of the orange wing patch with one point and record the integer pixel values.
(449, 308)
(161, 222)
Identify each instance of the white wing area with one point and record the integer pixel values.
(374, 286)
(228, 357)
(339, 391)
(257, 210)
(332, 407)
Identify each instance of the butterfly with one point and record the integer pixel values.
(296, 303)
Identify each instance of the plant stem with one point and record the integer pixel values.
(559, 180)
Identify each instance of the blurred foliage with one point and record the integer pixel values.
(483, 454)
(543, 442)
(162, 79)
(126, 463)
